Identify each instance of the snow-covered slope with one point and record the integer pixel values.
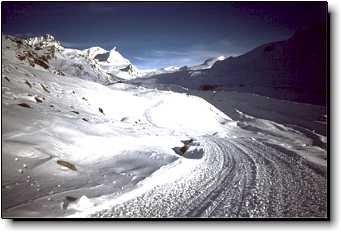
(294, 69)
(66, 137)
(95, 64)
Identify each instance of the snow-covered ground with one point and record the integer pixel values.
(76, 148)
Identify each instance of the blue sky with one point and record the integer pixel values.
(155, 35)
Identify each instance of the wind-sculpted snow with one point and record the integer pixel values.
(75, 148)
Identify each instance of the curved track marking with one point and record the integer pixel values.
(237, 178)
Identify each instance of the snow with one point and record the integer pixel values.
(77, 148)
(207, 63)
(152, 72)
(171, 68)
(116, 58)
(174, 69)
(94, 51)
(44, 41)
(41, 135)
(82, 203)
(221, 58)
(176, 113)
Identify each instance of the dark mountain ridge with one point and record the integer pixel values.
(293, 69)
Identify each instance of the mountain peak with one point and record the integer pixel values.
(49, 37)
(221, 58)
(46, 40)
(116, 57)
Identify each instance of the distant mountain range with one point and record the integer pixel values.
(293, 69)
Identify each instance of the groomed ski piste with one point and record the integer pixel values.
(76, 148)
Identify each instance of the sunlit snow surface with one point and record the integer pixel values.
(117, 143)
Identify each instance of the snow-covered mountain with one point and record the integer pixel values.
(293, 69)
(155, 71)
(171, 69)
(95, 63)
(207, 63)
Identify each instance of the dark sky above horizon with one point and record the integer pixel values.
(154, 35)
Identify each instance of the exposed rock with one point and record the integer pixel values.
(38, 99)
(45, 88)
(67, 164)
(28, 83)
(24, 105)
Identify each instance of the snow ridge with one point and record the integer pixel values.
(44, 41)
